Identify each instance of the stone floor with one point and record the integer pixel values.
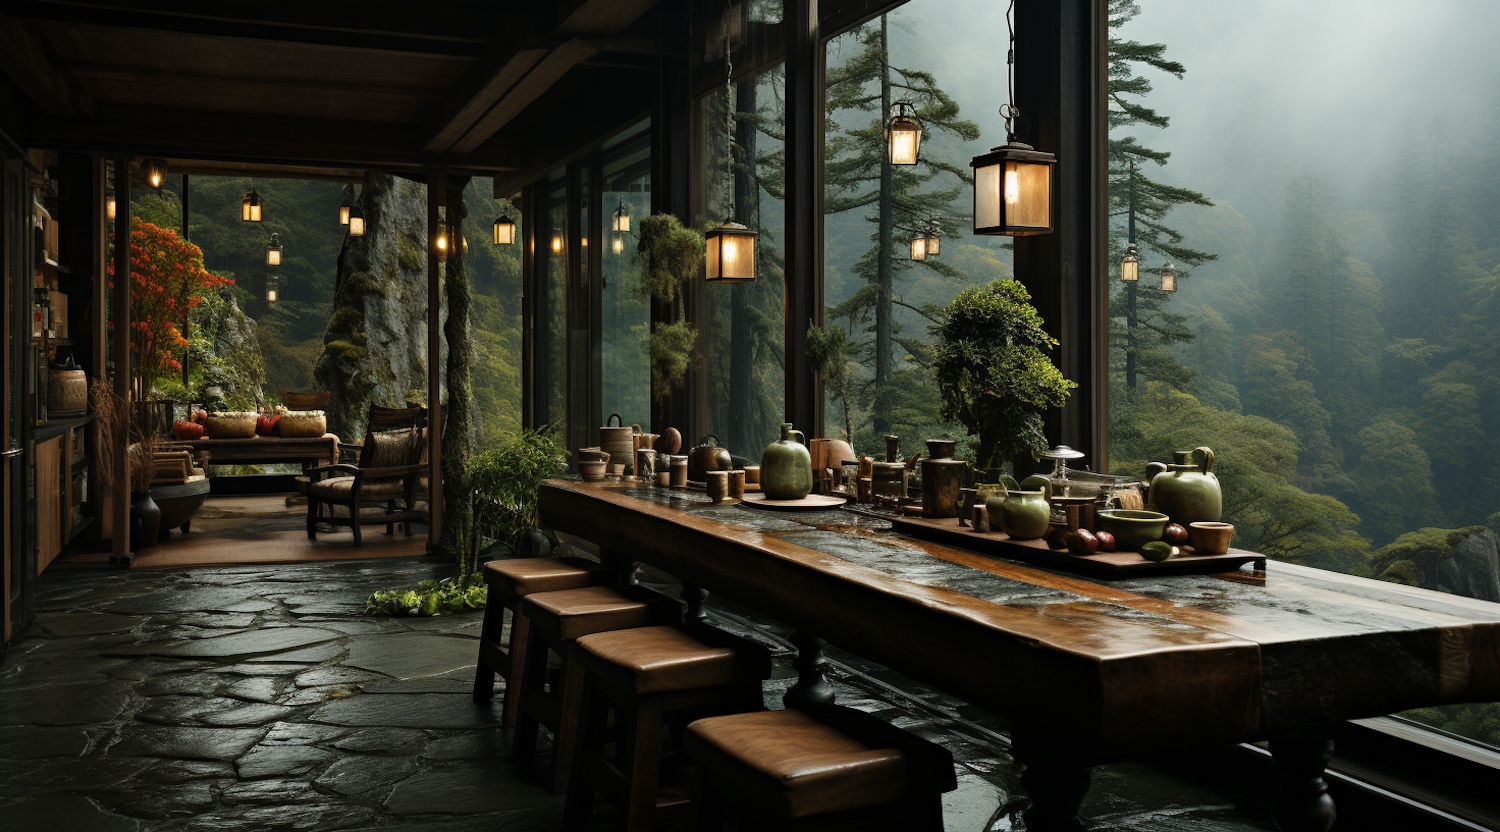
(260, 698)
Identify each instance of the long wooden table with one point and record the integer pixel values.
(1086, 671)
(310, 451)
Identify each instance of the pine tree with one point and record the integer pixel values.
(1139, 205)
(858, 175)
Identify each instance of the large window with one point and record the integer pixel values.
(887, 302)
(1329, 195)
(625, 315)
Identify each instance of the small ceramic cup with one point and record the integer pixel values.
(617, 469)
(718, 485)
(679, 472)
(981, 518)
(592, 470)
(737, 484)
(664, 478)
(1210, 538)
(752, 474)
(645, 463)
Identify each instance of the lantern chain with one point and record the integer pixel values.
(1010, 112)
(728, 117)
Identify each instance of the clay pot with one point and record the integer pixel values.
(618, 440)
(786, 467)
(708, 456)
(1024, 515)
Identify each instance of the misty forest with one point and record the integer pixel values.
(1334, 335)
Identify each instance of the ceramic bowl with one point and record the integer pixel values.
(1210, 538)
(1132, 528)
(592, 470)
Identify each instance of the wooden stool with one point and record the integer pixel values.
(649, 675)
(558, 620)
(509, 581)
(823, 766)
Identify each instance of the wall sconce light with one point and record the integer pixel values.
(344, 208)
(620, 219)
(1130, 267)
(250, 206)
(273, 251)
(1168, 277)
(356, 222)
(903, 135)
(156, 172)
(505, 231)
(440, 244)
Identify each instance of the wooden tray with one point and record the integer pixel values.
(1107, 565)
(812, 502)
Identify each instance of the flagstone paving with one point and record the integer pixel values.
(260, 698)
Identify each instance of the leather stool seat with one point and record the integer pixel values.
(657, 660)
(523, 576)
(819, 761)
(509, 580)
(568, 614)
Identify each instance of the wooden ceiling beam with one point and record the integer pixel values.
(284, 28)
(542, 78)
(586, 18)
(28, 66)
(504, 63)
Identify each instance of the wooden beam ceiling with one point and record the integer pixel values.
(28, 65)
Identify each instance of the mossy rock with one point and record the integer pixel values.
(409, 255)
(346, 351)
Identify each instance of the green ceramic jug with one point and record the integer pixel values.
(1024, 515)
(786, 467)
(1187, 490)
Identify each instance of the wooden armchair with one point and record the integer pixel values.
(390, 465)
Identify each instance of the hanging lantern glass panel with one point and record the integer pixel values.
(1013, 191)
(731, 254)
(505, 231)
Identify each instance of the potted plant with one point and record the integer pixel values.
(115, 429)
(672, 254)
(994, 374)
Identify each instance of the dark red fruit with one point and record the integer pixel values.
(1174, 534)
(1106, 541)
(1082, 542)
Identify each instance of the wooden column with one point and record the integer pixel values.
(437, 196)
(530, 290)
(804, 210)
(1060, 86)
(673, 152)
(98, 232)
(121, 506)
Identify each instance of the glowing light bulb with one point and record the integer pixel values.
(270, 295)
(1012, 187)
(619, 245)
(556, 244)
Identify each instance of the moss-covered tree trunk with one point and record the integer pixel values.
(458, 510)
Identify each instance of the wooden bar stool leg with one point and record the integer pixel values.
(490, 632)
(706, 811)
(578, 811)
(642, 763)
(515, 681)
(524, 744)
(811, 688)
(569, 698)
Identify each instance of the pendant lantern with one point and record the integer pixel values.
(730, 247)
(731, 253)
(250, 206)
(919, 248)
(934, 241)
(356, 222)
(273, 251)
(1130, 267)
(109, 205)
(903, 135)
(620, 219)
(344, 208)
(272, 289)
(156, 172)
(440, 244)
(1013, 182)
(505, 231)
(1168, 277)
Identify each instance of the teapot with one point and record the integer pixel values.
(708, 456)
(1187, 490)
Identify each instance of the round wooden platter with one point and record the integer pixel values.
(699, 485)
(812, 502)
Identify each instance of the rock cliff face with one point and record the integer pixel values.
(1462, 561)
(375, 348)
(226, 350)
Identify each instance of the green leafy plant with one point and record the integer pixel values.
(993, 374)
(672, 253)
(431, 597)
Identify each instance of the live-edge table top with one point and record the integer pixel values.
(1103, 668)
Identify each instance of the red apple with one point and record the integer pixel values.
(1174, 534)
(1082, 542)
(185, 430)
(200, 416)
(1106, 541)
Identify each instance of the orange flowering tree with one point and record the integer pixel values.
(167, 280)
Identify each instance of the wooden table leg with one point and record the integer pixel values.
(1056, 791)
(1303, 803)
(811, 688)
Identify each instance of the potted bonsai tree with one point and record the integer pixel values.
(994, 374)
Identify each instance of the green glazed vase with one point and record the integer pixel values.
(786, 467)
(1024, 515)
(1187, 490)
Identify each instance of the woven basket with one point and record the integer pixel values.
(231, 425)
(296, 426)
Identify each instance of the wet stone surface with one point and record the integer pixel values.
(246, 698)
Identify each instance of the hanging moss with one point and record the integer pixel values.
(672, 254)
(347, 323)
(409, 255)
(671, 353)
(345, 350)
